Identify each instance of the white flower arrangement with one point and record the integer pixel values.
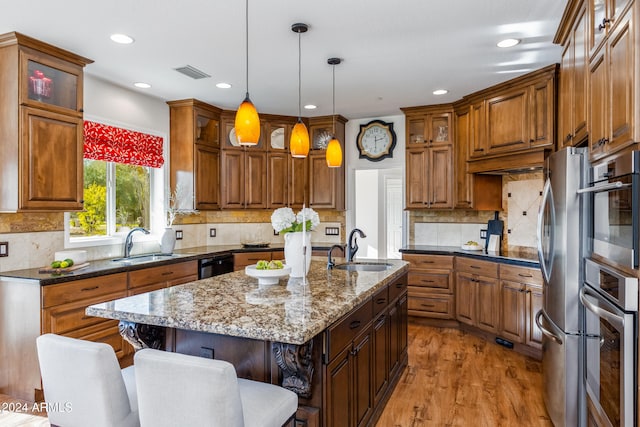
(175, 200)
(284, 220)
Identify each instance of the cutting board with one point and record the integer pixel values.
(494, 226)
(62, 270)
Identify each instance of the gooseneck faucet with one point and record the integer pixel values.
(352, 243)
(330, 263)
(128, 242)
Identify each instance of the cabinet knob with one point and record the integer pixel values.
(602, 26)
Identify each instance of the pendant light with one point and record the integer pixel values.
(247, 124)
(334, 150)
(299, 143)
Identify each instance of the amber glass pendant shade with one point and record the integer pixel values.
(334, 153)
(299, 142)
(247, 123)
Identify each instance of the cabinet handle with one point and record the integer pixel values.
(532, 140)
(522, 291)
(381, 300)
(399, 285)
(355, 324)
(427, 305)
(475, 266)
(353, 352)
(89, 289)
(167, 273)
(602, 26)
(426, 262)
(568, 138)
(479, 149)
(427, 281)
(525, 275)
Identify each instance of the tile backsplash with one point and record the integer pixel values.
(523, 201)
(447, 234)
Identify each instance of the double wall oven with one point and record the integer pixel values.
(611, 307)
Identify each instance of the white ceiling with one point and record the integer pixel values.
(395, 53)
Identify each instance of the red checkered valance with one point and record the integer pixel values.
(114, 144)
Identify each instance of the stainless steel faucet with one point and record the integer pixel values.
(352, 243)
(330, 263)
(128, 242)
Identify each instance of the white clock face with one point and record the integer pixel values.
(376, 141)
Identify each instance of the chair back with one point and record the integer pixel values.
(82, 383)
(181, 390)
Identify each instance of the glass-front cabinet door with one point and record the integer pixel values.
(45, 80)
(207, 130)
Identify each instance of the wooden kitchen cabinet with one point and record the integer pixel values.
(326, 185)
(195, 153)
(477, 291)
(431, 286)
(242, 259)
(612, 87)
(278, 161)
(429, 127)
(520, 300)
(471, 191)
(604, 16)
(41, 164)
(429, 175)
(573, 87)
(162, 276)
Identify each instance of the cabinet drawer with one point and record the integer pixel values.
(107, 333)
(380, 300)
(397, 288)
(434, 282)
(344, 331)
(162, 273)
(147, 288)
(474, 266)
(83, 289)
(67, 317)
(441, 262)
(432, 306)
(520, 274)
(241, 260)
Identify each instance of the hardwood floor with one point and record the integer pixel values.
(457, 379)
(16, 412)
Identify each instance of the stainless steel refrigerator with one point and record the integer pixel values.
(562, 221)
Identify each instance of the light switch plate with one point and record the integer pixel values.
(331, 231)
(4, 248)
(483, 234)
(178, 234)
(212, 232)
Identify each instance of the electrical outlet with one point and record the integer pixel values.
(331, 231)
(212, 232)
(275, 233)
(178, 234)
(483, 234)
(4, 248)
(207, 353)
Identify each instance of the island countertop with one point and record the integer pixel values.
(233, 304)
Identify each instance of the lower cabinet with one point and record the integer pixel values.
(431, 286)
(477, 291)
(366, 352)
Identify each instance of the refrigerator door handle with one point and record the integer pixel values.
(547, 199)
(606, 187)
(544, 330)
(597, 306)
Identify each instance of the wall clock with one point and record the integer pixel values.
(376, 140)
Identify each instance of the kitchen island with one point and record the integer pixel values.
(339, 340)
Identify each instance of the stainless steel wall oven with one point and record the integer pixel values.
(615, 231)
(611, 306)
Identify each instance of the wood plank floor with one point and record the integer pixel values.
(20, 413)
(457, 379)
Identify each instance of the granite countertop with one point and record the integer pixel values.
(513, 258)
(233, 304)
(102, 267)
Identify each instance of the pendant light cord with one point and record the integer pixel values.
(333, 115)
(246, 26)
(299, 79)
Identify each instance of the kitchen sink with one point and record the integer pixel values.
(138, 259)
(363, 266)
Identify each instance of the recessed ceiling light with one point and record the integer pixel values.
(142, 85)
(121, 38)
(223, 85)
(440, 92)
(310, 107)
(508, 42)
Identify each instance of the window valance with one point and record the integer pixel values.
(114, 144)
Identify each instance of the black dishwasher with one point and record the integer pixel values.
(215, 266)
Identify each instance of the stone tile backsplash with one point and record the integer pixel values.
(447, 234)
(523, 201)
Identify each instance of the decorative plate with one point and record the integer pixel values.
(277, 138)
(232, 138)
(267, 277)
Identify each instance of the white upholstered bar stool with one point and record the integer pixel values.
(180, 390)
(84, 383)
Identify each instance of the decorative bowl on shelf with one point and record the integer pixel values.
(472, 247)
(267, 277)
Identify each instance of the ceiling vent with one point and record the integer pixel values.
(192, 72)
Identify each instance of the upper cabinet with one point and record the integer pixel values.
(326, 185)
(41, 136)
(604, 16)
(514, 117)
(195, 153)
(429, 157)
(573, 89)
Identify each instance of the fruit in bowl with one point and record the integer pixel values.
(269, 265)
(472, 243)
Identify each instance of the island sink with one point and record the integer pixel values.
(363, 266)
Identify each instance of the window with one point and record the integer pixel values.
(123, 180)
